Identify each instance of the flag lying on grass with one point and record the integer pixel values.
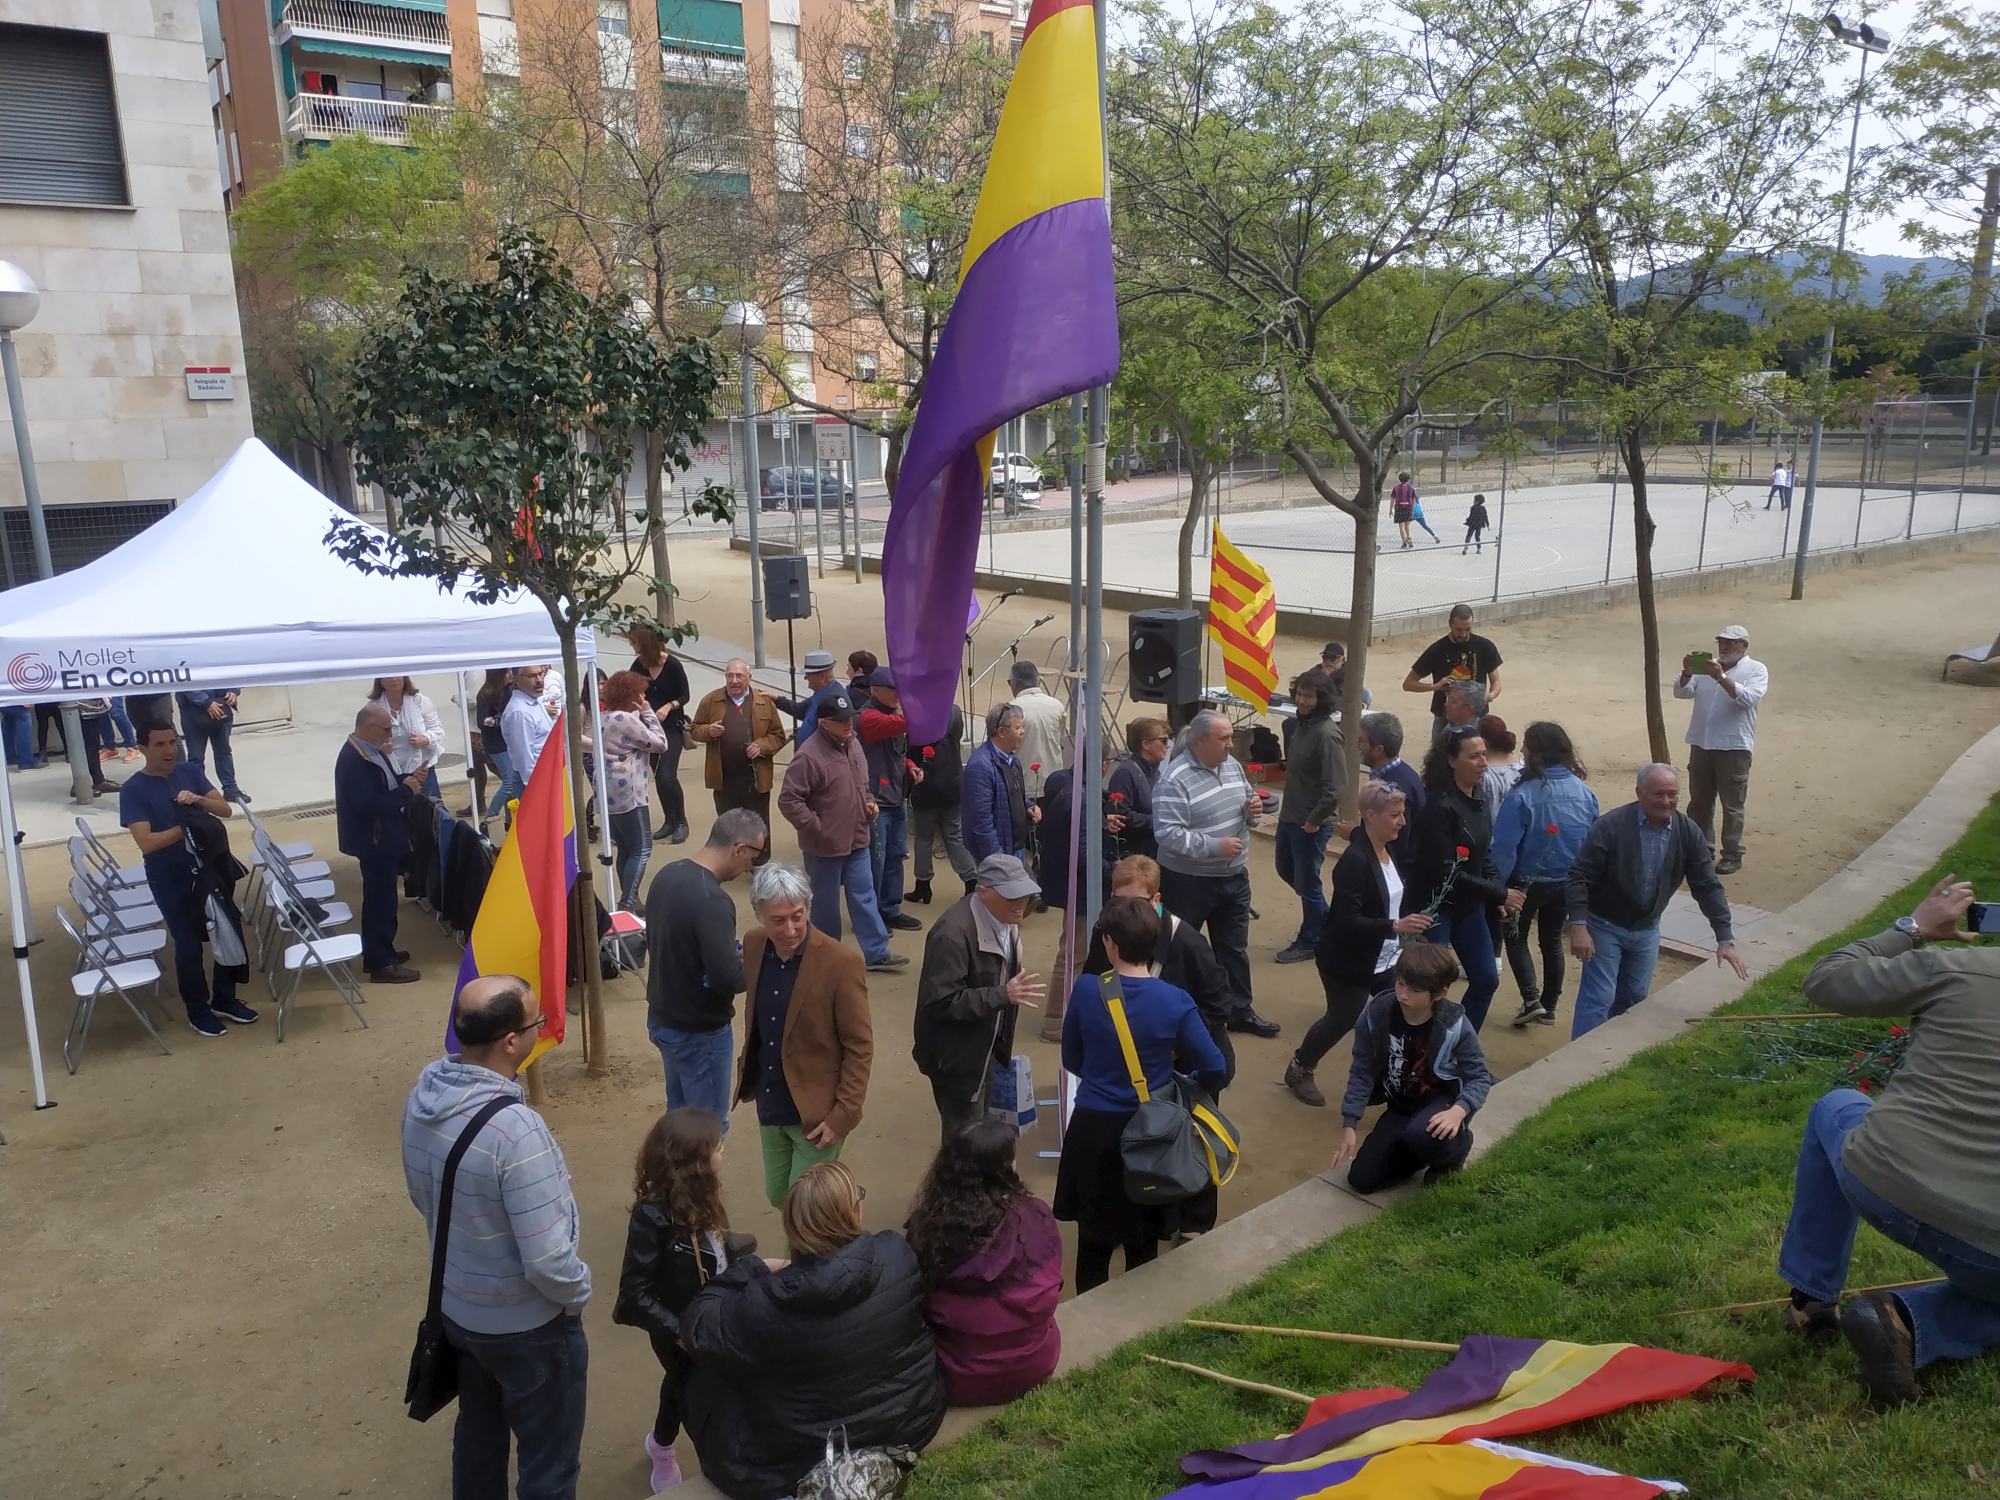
(1477, 1470)
(523, 922)
(1243, 619)
(1493, 1388)
(1036, 317)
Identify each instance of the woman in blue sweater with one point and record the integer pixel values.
(1169, 1036)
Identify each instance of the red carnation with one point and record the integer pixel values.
(1462, 852)
(929, 751)
(1255, 768)
(883, 782)
(1857, 1057)
(1034, 765)
(1895, 1031)
(1865, 1087)
(1117, 796)
(1552, 830)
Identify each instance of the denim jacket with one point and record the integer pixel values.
(1523, 851)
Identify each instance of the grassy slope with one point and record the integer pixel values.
(1662, 1186)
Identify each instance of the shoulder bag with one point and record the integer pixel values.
(433, 1379)
(1176, 1143)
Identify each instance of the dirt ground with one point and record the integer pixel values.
(217, 1271)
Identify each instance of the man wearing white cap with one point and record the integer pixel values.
(1722, 731)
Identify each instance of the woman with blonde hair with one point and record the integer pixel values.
(834, 1339)
(416, 732)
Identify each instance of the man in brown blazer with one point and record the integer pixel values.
(808, 1043)
(739, 725)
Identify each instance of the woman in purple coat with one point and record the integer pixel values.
(992, 1264)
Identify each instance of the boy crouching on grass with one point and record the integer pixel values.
(1415, 1052)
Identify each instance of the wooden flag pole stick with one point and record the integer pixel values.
(1789, 1015)
(1737, 1307)
(1317, 1333)
(1241, 1385)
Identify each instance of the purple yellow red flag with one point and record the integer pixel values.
(1476, 1470)
(1036, 318)
(523, 922)
(1493, 1388)
(1243, 620)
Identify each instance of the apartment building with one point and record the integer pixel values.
(133, 366)
(296, 73)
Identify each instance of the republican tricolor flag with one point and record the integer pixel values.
(1243, 620)
(523, 922)
(1036, 318)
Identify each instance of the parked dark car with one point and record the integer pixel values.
(794, 488)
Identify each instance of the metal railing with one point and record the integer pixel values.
(358, 20)
(321, 117)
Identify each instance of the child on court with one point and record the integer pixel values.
(675, 1245)
(1415, 1052)
(1476, 523)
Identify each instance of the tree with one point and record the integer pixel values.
(320, 250)
(501, 411)
(1337, 194)
(1677, 149)
(637, 175)
(879, 166)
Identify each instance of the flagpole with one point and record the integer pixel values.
(1092, 770)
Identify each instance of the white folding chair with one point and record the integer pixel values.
(96, 973)
(264, 849)
(317, 948)
(109, 887)
(105, 862)
(312, 880)
(102, 917)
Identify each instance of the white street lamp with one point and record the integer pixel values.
(1867, 40)
(743, 327)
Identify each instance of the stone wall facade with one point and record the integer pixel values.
(131, 296)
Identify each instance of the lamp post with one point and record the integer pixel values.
(743, 322)
(1866, 39)
(19, 302)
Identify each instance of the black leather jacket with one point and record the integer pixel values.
(664, 1267)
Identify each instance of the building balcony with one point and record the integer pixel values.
(322, 117)
(703, 66)
(340, 25)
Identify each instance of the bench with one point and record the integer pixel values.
(1974, 654)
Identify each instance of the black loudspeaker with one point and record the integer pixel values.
(1165, 662)
(787, 588)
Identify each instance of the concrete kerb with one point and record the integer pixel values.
(1155, 1296)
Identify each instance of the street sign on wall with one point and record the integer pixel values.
(830, 442)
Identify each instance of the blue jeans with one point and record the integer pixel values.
(17, 728)
(632, 839)
(1467, 935)
(182, 914)
(201, 732)
(527, 1386)
(510, 784)
(1957, 1319)
(1299, 857)
(855, 874)
(1617, 976)
(888, 843)
(121, 724)
(697, 1066)
(381, 905)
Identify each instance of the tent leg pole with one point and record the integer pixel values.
(597, 780)
(17, 916)
(465, 728)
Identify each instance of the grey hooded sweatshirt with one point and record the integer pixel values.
(511, 1263)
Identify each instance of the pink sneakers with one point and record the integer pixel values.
(666, 1467)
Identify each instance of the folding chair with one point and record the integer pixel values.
(109, 888)
(95, 973)
(102, 917)
(301, 856)
(105, 862)
(313, 880)
(317, 948)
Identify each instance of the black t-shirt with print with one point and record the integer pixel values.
(1410, 1078)
(1472, 660)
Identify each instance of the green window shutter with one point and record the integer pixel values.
(702, 25)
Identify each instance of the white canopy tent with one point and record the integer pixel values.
(236, 588)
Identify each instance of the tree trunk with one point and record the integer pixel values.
(1632, 444)
(1200, 475)
(340, 469)
(892, 469)
(596, 1050)
(1360, 626)
(656, 523)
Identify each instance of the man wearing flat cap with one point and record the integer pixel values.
(1722, 731)
(819, 679)
(969, 989)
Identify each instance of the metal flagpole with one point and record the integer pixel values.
(1707, 496)
(465, 727)
(1500, 530)
(1075, 546)
(1092, 770)
(854, 474)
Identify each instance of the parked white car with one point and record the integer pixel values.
(1018, 469)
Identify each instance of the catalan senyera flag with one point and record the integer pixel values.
(1243, 619)
(1477, 1470)
(1493, 1388)
(523, 922)
(1036, 318)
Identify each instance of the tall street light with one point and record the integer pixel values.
(20, 300)
(743, 324)
(1866, 39)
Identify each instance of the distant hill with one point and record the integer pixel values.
(1876, 272)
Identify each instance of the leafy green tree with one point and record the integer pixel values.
(1338, 194)
(1676, 149)
(320, 252)
(501, 412)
